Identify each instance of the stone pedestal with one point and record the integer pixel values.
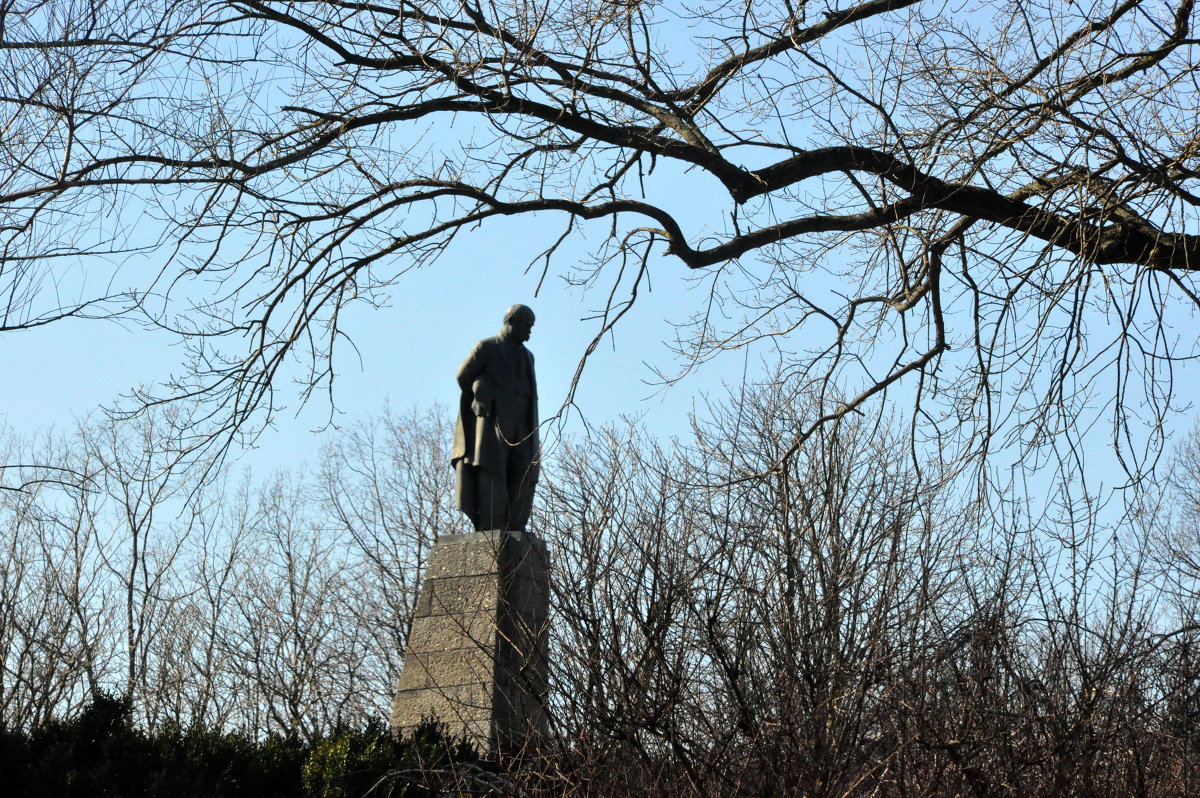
(476, 654)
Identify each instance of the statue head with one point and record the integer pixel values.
(518, 322)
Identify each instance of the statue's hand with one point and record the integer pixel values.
(479, 408)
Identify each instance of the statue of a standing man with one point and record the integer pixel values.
(496, 450)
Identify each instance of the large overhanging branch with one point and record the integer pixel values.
(1124, 240)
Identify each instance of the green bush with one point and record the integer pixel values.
(354, 763)
(101, 753)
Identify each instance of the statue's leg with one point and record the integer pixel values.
(491, 500)
(521, 478)
(466, 490)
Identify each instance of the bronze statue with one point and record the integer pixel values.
(496, 450)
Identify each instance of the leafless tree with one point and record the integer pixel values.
(854, 623)
(201, 687)
(387, 488)
(722, 632)
(987, 209)
(56, 623)
(248, 608)
(142, 530)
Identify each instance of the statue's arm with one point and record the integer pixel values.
(473, 381)
(472, 367)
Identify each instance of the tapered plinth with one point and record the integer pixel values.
(475, 657)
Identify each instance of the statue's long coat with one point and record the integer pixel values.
(492, 373)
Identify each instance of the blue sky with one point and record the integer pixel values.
(405, 354)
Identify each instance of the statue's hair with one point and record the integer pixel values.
(518, 310)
